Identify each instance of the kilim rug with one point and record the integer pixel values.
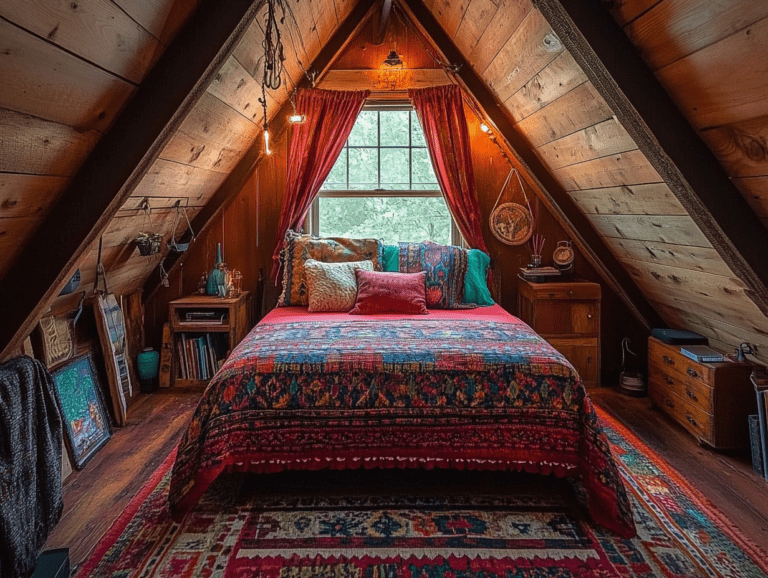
(385, 524)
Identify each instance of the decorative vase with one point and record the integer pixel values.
(216, 276)
(147, 364)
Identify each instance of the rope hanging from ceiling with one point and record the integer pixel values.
(273, 45)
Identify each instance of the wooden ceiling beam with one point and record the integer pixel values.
(544, 184)
(118, 163)
(385, 14)
(665, 137)
(235, 181)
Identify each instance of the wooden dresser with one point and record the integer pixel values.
(567, 315)
(710, 400)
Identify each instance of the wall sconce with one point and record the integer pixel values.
(392, 60)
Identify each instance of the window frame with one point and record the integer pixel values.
(313, 216)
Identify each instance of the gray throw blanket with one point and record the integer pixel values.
(30, 463)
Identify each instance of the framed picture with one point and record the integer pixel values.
(86, 421)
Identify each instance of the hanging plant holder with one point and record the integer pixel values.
(175, 245)
(148, 243)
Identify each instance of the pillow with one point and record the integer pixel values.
(333, 286)
(390, 292)
(476, 280)
(445, 266)
(391, 258)
(297, 248)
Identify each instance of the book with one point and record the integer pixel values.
(702, 353)
(762, 416)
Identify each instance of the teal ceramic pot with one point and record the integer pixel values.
(147, 363)
(216, 277)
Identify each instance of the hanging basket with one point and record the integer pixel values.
(148, 243)
(511, 223)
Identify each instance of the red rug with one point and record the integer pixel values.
(426, 525)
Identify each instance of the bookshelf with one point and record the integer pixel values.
(204, 330)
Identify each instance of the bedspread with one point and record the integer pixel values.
(473, 389)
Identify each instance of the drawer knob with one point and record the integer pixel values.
(669, 403)
(570, 292)
(692, 395)
(692, 372)
(589, 316)
(691, 420)
(668, 380)
(668, 361)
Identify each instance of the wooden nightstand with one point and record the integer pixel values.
(204, 330)
(567, 315)
(710, 400)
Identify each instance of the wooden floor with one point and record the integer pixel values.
(94, 497)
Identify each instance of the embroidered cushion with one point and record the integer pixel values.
(391, 260)
(297, 248)
(445, 266)
(390, 292)
(333, 286)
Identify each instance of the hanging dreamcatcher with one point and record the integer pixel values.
(512, 223)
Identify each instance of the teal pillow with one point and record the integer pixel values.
(391, 261)
(475, 285)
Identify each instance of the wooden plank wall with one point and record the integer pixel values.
(247, 228)
(67, 70)
(579, 139)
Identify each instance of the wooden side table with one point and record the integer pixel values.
(204, 330)
(567, 315)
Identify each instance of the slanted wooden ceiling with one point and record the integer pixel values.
(68, 69)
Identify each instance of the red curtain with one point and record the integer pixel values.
(441, 113)
(315, 146)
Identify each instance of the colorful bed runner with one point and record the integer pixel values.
(425, 525)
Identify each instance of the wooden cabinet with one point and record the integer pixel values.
(567, 315)
(710, 400)
(204, 330)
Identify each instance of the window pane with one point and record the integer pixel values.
(425, 187)
(363, 168)
(366, 131)
(391, 219)
(394, 168)
(337, 179)
(417, 135)
(394, 128)
(422, 167)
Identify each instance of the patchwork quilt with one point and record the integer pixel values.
(466, 389)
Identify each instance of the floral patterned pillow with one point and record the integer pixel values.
(333, 286)
(297, 248)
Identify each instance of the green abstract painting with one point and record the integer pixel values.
(85, 418)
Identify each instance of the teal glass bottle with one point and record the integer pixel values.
(216, 277)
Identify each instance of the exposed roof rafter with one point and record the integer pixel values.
(119, 162)
(546, 187)
(385, 14)
(665, 137)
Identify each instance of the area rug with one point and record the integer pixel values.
(368, 524)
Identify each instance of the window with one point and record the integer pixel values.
(383, 184)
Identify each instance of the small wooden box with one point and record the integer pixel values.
(710, 400)
(235, 325)
(567, 315)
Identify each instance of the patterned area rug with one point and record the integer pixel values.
(386, 524)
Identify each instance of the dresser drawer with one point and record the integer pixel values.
(691, 417)
(671, 358)
(567, 317)
(686, 387)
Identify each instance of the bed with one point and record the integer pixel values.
(466, 389)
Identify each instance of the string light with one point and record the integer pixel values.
(485, 128)
(297, 118)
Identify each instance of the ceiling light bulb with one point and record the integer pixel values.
(297, 118)
(484, 127)
(266, 141)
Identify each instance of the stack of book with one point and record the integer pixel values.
(201, 356)
(539, 274)
(702, 353)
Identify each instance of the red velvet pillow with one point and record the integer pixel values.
(379, 292)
